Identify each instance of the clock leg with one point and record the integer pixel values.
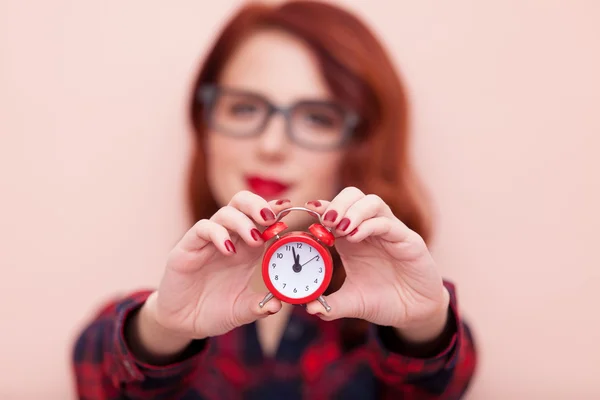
(264, 301)
(324, 303)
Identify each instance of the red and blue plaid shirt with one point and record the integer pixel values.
(309, 364)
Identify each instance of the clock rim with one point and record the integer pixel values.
(303, 237)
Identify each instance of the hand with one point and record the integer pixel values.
(391, 278)
(205, 287)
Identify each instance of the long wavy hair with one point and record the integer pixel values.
(359, 74)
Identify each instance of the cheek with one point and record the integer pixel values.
(220, 149)
(223, 154)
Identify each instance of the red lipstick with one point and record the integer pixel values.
(267, 188)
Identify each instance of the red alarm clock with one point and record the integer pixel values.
(297, 265)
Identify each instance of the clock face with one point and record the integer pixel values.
(297, 269)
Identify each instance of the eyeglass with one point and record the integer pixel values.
(312, 124)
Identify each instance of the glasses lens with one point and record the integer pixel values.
(318, 125)
(238, 113)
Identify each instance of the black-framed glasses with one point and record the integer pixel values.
(312, 124)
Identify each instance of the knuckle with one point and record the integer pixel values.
(415, 238)
(241, 195)
(223, 211)
(377, 201)
(205, 228)
(353, 190)
(373, 198)
(201, 225)
(231, 217)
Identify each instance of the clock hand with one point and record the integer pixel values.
(309, 261)
(296, 267)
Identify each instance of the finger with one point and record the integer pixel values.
(389, 229)
(368, 207)
(281, 203)
(278, 205)
(204, 232)
(317, 205)
(340, 204)
(341, 307)
(247, 310)
(236, 221)
(253, 206)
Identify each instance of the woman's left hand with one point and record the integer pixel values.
(391, 278)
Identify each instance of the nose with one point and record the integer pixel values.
(273, 141)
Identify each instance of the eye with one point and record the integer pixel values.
(320, 119)
(242, 108)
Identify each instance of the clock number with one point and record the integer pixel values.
(316, 280)
(274, 265)
(318, 258)
(276, 277)
(284, 285)
(279, 255)
(299, 245)
(288, 247)
(306, 288)
(295, 291)
(320, 269)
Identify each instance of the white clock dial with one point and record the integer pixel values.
(299, 277)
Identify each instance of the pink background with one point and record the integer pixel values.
(93, 149)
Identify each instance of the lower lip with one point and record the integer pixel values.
(266, 188)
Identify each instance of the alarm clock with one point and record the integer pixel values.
(297, 266)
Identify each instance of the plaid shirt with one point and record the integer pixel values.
(309, 364)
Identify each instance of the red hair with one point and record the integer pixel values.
(360, 75)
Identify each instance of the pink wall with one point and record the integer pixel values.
(506, 96)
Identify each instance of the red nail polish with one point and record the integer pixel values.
(281, 201)
(353, 232)
(255, 234)
(343, 225)
(330, 216)
(267, 214)
(315, 203)
(229, 246)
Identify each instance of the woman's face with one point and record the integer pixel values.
(245, 153)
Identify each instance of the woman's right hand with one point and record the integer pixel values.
(205, 289)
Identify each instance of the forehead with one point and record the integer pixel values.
(277, 65)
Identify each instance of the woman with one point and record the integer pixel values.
(296, 104)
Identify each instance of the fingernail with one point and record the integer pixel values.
(330, 216)
(267, 214)
(315, 203)
(284, 214)
(270, 312)
(319, 315)
(281, 201)
(343, 225)
(353, 232)
(229, 246)
(255, 234)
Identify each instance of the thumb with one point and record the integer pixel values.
(247, 309)
(342, 303)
